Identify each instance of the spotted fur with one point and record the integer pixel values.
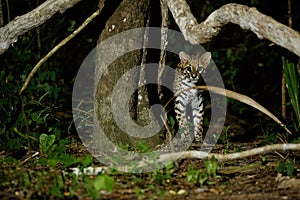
(188, 74)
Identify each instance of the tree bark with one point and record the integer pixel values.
(9, 33)
(130, 14)
(247, 18)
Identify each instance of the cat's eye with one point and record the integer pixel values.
(200, 69)
(189, 69)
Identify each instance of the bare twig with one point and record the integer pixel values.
(290, 13)
(169, 133)
(56, 48)
(247, 18)
(28, 158)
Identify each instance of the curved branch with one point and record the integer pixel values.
(244, 99)
(230, 156)
(9, 34)
(247, 18)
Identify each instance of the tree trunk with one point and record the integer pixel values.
(130, 14)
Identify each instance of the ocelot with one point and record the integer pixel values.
(188, 74)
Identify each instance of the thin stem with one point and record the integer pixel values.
(56, 48)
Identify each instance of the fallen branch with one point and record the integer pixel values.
(164, 158)
(231, 156)
(247, 18)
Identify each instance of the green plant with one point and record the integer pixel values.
(87, 160)
(25, 116)
(46, 141)
(209, 176)
(224, 139)
(55, 153)
(172, 122)
(196, 176)
(143, 146)
(71, 28)
(161, 177)
(140, 193)
(211, 167)
(292, 85)
(286, 167)
(270, 133)
(102, 182)
(68, 160)
(57, 187)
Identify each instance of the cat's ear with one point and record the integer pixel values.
(205, 59)
(184, 57)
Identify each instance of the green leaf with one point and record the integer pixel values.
(52, 162)
(292, 85)
(211, 166)
(104, 182)
(68, 160)
(63, 142)
(46, 141)
(203, 177)
(53, 75)
(60, 182)
(42, 75)
(281, 167)
(290, 169)
(169, 165)
(192, 174)
(72, 25)
(2, 74)
(87, 160)
(172, 122)
(26, 180)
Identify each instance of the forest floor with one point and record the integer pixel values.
(252, 178)
(255, 177)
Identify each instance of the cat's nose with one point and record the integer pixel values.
(194, 75)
